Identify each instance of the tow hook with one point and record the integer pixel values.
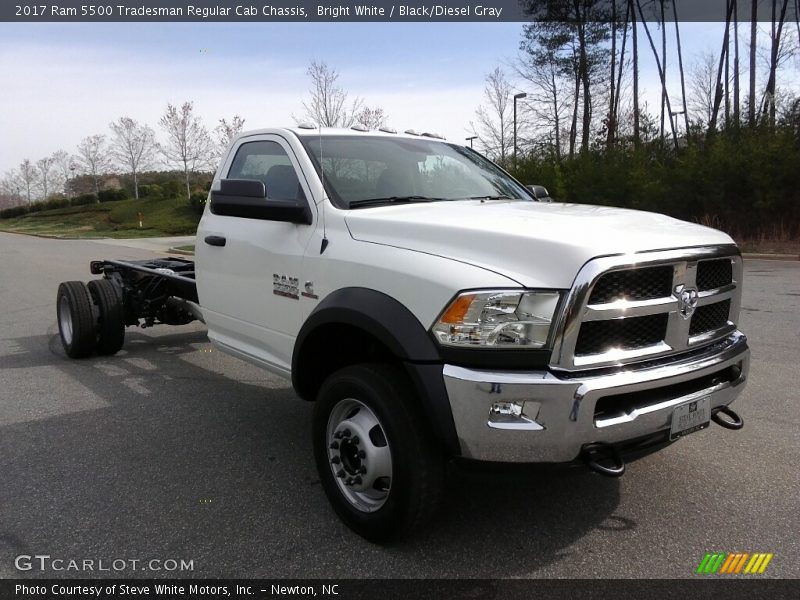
(592, 454)
(734, 421)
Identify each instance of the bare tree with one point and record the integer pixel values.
(133, 147)
(736, 70)
(751, 97)
(11, 189)
(372, 118)
(224, 133)
(189, 144)
(636, 103)
(495, 120)
(93, 158)
(712, 125)
(778, 21)
(64, 164)
(44, 166)
(28, 177)
(546, 101)
(681, 70)
(617, 69)
(703, 87)
(329, 105)
(662, 77)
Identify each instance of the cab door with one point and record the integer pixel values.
(248, 269)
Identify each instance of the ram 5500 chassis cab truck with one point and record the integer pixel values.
(431, 306)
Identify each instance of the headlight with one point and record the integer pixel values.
(499, 319)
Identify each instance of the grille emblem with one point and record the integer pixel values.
(688, 297)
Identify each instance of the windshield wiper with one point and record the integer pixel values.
(501, 197)
(391, 200)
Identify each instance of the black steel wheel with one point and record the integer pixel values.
(378, 462)
(76, 323)
(111, 318)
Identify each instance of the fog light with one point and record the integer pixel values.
(514, 414)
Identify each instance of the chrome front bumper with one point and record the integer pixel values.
(544, 416)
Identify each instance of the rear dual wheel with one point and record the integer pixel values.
(90, 318)
(110, 318)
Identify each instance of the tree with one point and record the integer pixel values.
(329, 105)
(712, 125)
(637, 134)
(702, 87)
(661, 68)
(225, 132)
(44, 166)
(775, 58)
(372, 118)
(680, 66)
(93, 158)
(495, 120)
(575, 34)
(27, 176)
(546, 102)
(64, 164)
(11, 189)
(751, 97)
(188, 145)
(133, 147)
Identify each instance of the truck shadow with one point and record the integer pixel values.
(173, 451)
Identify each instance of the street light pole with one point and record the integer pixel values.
(469, 139)
(516, 97)
(69, 190)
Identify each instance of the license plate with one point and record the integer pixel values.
(690, 417)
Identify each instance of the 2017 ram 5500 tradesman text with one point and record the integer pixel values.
(431, 306)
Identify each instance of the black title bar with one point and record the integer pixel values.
(396, 589)
(378, 10)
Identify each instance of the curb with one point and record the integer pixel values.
(182, 252)
(784, 257)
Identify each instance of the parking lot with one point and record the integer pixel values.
(170, 450)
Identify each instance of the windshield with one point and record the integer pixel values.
(366, 171)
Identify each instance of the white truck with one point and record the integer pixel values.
(431, 306)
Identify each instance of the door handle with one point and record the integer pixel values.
(215, 240)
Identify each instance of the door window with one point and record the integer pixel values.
(268, 162)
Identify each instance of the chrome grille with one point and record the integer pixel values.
(632, 308)
(636, 284)
(627, 334)
(710, 317)
(714, 274)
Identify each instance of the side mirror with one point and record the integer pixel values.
(247, 198)
(540, 193)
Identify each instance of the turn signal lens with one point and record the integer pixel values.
(456, 312)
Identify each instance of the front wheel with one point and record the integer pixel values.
(378, 462)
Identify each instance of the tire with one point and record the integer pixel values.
(111, 320)
(76, 323)
(377, 460)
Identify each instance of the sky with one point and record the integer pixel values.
(62, 82)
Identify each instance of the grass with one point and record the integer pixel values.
(762, 246)
(160, 217)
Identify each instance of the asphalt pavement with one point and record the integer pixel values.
(172, 451)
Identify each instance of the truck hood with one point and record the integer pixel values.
(536, 244)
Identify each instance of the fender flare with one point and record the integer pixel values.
(396, 327)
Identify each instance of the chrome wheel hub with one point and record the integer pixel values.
(359, 455)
